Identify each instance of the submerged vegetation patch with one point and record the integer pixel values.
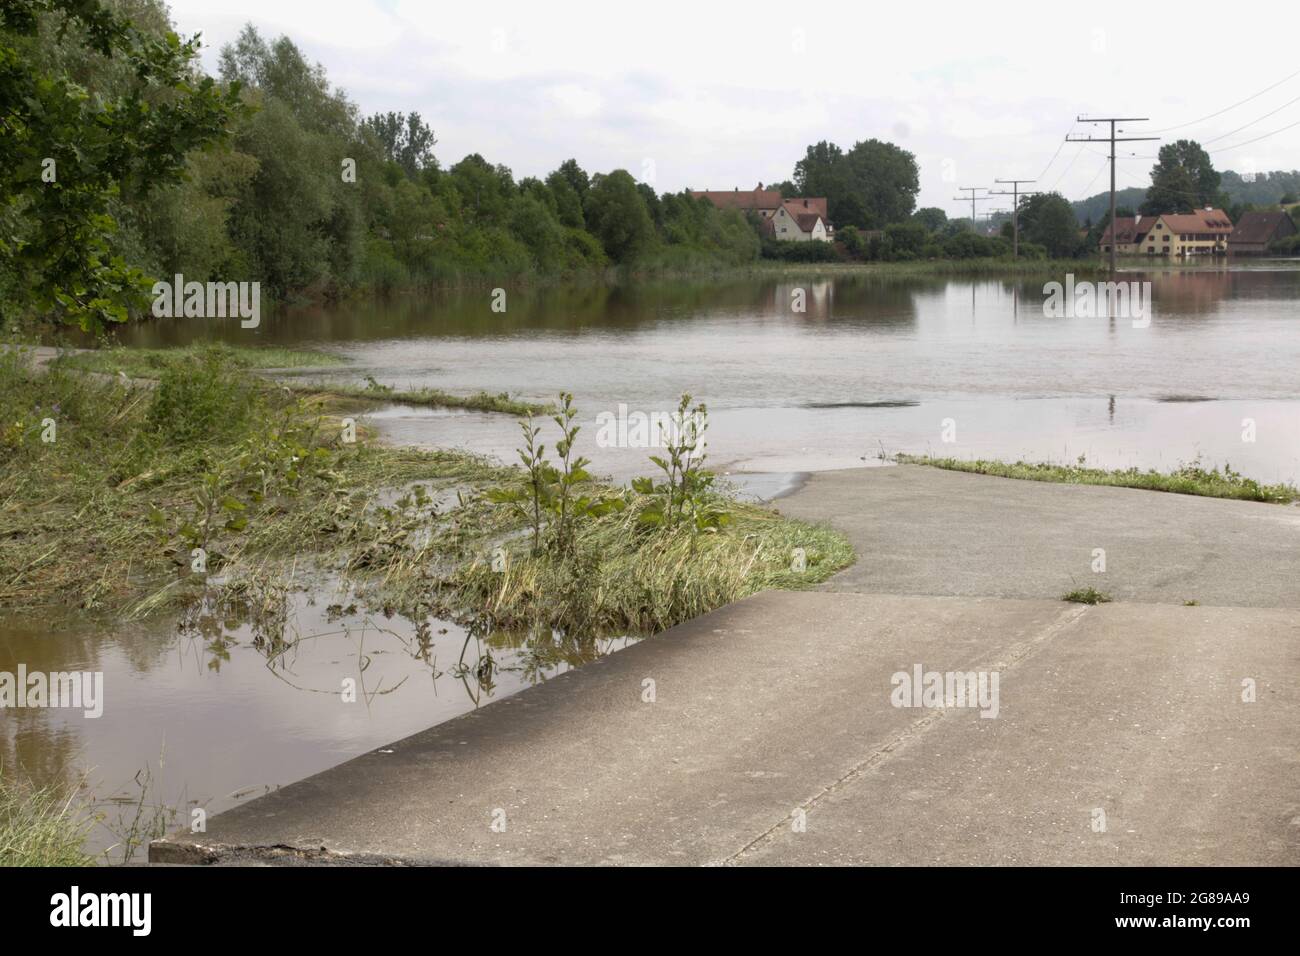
(151, 363)
(125, 498)
(373, 391)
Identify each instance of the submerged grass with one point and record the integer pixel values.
(1188, 479)
(153, 363)
(150, 363)
(107, 487)
(38, 827)
(120, 498)
(372, 391)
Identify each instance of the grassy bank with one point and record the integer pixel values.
(1190, 479)
(40, 828)
(125, 499)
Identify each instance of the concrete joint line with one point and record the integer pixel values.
(917, 728)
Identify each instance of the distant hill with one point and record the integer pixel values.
(1264, 189)
(1094, 208)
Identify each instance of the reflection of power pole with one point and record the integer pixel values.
(1112, 120)
(1015, 195)
(973, 200)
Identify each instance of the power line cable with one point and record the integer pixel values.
(1227, 108)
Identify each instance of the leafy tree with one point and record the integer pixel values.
(402, 139)
(873, 184)
(931, 217)
(70, 151)
(538, 228)
(568, 204)
(1047, 220)
(1183, 179)
(905, 240)
(823, 172)
(885, 180)
(486, 191)
(617, 216)
(578, 179)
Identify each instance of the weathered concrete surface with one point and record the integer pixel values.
(920, 530)
(782, 702)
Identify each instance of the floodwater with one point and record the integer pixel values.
(948, 366)
(204, 712)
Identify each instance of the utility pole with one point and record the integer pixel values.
(973, 200)
(1112, 139)
(1015, 195)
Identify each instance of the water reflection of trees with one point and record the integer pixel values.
(574, 307)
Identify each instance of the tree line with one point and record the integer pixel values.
(125, 162)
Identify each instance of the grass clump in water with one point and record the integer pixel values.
(373, 391)
(1188, 479)
(591, 559)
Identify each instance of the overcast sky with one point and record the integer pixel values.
(707, 95)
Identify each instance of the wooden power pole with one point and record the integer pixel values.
(1112, 139)
(973, 200)
(1015, 195)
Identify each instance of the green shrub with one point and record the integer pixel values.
(200, 399)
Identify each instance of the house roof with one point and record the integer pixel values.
(740, 199)
(807, 204)
(1260, 226)
(1199, 220)
(1129, 228)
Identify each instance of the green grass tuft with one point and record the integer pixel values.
(1086, 596)
(40, 828)
(1189, 479)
